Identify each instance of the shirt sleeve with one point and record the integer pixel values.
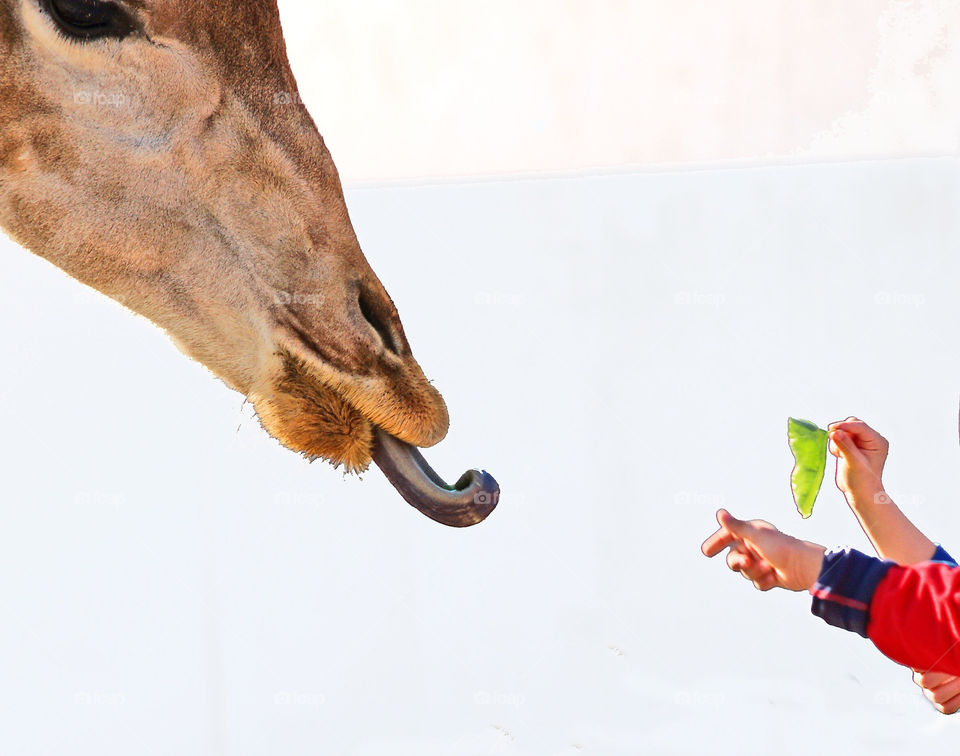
(911, 613)
(845, 587)
(941, 555)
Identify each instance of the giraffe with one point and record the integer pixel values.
(159, 152)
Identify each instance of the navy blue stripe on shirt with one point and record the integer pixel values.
(941, 555)
(845, 586)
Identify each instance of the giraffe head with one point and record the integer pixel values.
(158, 151)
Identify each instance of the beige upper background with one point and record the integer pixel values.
(414, 89)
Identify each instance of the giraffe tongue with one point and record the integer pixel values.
(466, 503)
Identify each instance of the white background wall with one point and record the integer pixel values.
(426, 88)
(621, 351)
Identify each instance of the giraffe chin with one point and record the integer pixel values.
(314, 420)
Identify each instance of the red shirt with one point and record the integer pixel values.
(912, 614)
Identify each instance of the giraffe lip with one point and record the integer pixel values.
(468, 502)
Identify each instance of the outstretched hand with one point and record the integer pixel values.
(764, 555)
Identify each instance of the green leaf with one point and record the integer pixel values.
(809, 446)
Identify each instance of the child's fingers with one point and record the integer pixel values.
(832, 446)
(850, 422)
(717, 542)
(935, 680)
(753, 568)
(761, 574)
(766, 581)
(741, 536)
(845, 446)
(950, 707)
(941, 689)
(943, 693)
(758, 536)
(862, 433)
(740, 560)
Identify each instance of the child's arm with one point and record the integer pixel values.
(912, 614)
(861, 453)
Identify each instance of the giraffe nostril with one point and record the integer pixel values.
(379, 320)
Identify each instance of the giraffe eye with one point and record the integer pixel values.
(89, 19)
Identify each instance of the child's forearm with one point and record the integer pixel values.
(889, 530)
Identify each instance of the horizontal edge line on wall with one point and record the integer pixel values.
(639, 169)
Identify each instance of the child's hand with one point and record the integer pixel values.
(861, 453)
(942, 690)
(764, 555)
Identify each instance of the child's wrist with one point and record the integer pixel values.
(813, 561)
(868, 498)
